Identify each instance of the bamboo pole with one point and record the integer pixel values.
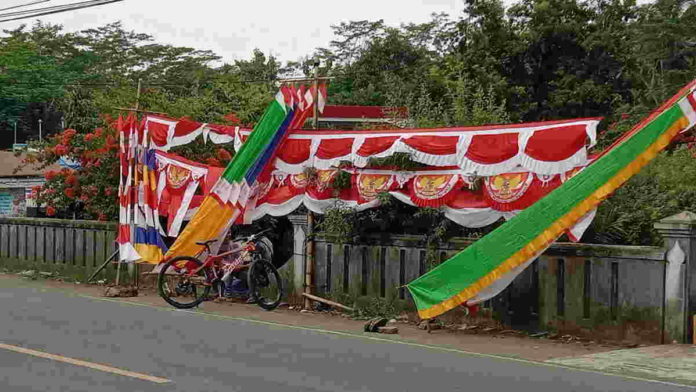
(328, 302)
(309, 264)
(133, 267)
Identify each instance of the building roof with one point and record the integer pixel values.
(9, 162)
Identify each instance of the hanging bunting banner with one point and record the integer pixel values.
(551, 147)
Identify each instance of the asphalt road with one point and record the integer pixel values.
(197, 352)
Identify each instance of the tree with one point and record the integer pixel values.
(27, 76)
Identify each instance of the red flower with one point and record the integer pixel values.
(69, 192)
(102, 217)
(71, 180)
(84, 198)
(232, 118)
(50, 175)
(109, 191)
(61, 149)
(214, 162)
(223, 155)
(98, 132)
(50, 211)
(624, 116)
(69, 133)
(89, 137)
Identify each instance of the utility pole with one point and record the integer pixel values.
(309, 264)
(15, 132)
(40, 137)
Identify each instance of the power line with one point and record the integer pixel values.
(53, 10)
(24, 5)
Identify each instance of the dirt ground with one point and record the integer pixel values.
(505, 343)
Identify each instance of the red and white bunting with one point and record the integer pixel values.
(542, 148)
(165, 132)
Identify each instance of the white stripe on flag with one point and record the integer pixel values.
(689, 111)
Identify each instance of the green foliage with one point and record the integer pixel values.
(399, 160)
(341, 181)
(665, 187)
(27, 76)
(337, 223)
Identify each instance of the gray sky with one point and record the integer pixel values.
(287, 29)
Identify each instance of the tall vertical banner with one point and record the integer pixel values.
(229, 196)
(514, 245)
(127, 252)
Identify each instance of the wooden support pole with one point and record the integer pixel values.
(309, 263)
(101, 267)
(328, 302)
(134, 267)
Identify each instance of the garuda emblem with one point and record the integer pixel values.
(298, 181)
(177, 177)
(370, 185)
(325, 179)
(509, 187)
(434, 186)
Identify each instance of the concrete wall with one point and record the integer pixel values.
(613, 291)
(71, 248)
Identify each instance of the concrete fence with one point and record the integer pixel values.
(71, 248)
(645, 294)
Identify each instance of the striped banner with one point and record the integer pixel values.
(231, 193)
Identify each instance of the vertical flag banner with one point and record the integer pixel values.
(148, 235)
(126, 251)
(230, 194)
(475, 271)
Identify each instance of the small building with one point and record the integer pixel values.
(15, 187)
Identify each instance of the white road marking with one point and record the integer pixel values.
(91, 365)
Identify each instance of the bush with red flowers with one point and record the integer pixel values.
(81, 191)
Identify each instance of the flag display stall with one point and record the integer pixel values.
(538, 176)
(475, 175)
